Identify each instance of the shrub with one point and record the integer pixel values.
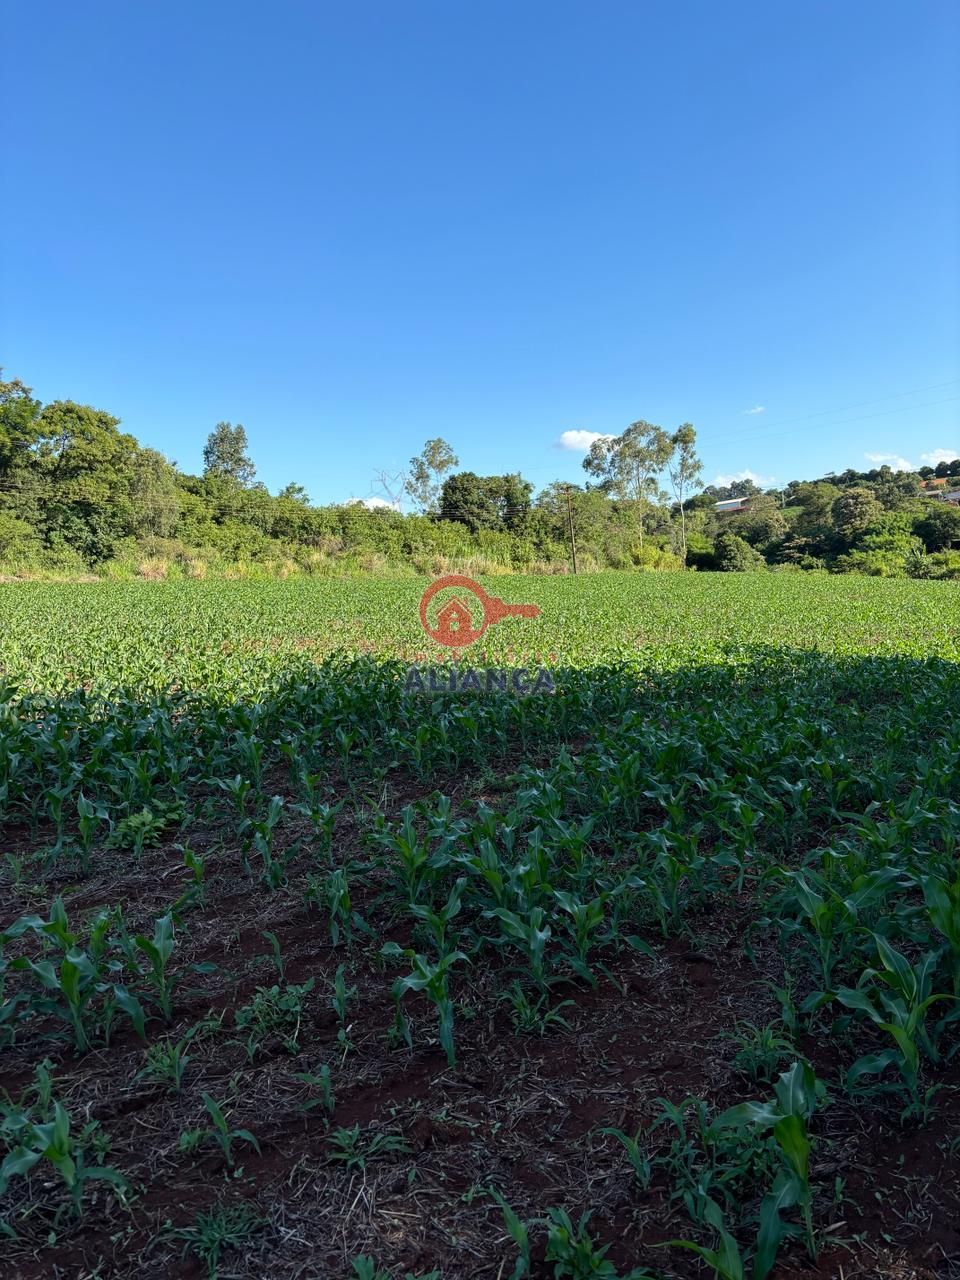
(734, 555)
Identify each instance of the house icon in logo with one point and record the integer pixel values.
(455, 623)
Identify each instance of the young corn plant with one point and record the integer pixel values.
(942, 902)
(520, 1234)
(276, 955)
(897, 998)
(195, 894)
(322, 1082)
(80, 987)
(529, 935)
(760, 1050)
(323, 819)
(331, 890)
(434, 923)
(224, 1136)
(431, 979)
(796, 1096)
(410, 852)
(89, 818)
(30, 1142)
(827, 922)
(636, 1153)
(576, 1255)
(533, 1017)
(342, 995)
(158, 951)
(274, 865)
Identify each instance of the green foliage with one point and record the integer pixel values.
(225, 455)
(28, 1139)
(78, 494)
(221, 1132)
(732, 554)
(354, 1147)
(273, 1011)
(223, 1227)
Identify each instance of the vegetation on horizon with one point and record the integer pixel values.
(78, 496)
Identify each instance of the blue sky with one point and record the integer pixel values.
(352, 227)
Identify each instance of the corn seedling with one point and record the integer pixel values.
(158, 951)
(574, 1253)
(321, 1082)
(796, 1096)
(275, 954)
(30, 1142)
(342, 994)
(431, 979)
(519, 1233)
(898, 1006)
(760, 1050)
(636, 1153)
(224, 1136)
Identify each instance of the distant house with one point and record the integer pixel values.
(730, 506)
(936, 482)
(953, 498)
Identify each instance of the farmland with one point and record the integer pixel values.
(304, 975)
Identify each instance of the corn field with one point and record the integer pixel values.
(305, 975)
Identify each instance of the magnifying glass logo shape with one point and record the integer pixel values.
(455, 618)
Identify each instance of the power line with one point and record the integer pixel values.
(761, 431)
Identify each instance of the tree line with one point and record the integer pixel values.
(77, 495)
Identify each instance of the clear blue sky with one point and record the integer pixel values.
(355, 226)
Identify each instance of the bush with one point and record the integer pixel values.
(18, 539)
(940, 564)
(876, 564)
(734, 555)
(653, 558)
(700, 552)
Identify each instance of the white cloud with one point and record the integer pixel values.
(372, 504)
(580, 441)
(757, 408)
(939, 455)
(892, 460)
(760, 481)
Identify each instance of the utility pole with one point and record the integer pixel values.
(573, 541)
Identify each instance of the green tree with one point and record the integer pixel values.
(684, 469)
(486, 502)
(939, 528)
(19, 414)
(427, 472)
(854, 511)
(629, 465)
(154, 494)
(294, 493)
(225, 454)
(18, 539)
(762, 524)
(815, 500)
(83, 465)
